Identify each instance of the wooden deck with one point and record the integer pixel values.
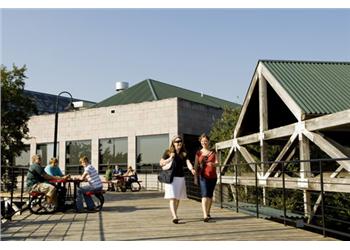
(145, 216)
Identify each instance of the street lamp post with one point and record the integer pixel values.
(56, 120)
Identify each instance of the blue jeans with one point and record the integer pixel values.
(88, 200)
(207, 186)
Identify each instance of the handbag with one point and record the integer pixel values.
(165, 175)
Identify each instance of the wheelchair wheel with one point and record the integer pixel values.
(35, 206)
(135, 186)
(38, 205)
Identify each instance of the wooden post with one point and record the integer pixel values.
(263, 120)
(305, 171)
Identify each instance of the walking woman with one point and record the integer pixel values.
(206, 161)
(176, 190)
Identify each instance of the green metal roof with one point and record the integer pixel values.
(316, 87)
(151, 90)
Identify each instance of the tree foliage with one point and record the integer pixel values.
(223, 128)
(16, 108)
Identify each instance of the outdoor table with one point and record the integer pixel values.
(70, 197)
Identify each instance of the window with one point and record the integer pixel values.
(74, 150)
(111, 152)
(149, 149)
(24, 159)
(46, 152)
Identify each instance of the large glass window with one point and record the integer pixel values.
(24, 159)
(149, 149)
(74, 150)
(46, 152)
(113, 151)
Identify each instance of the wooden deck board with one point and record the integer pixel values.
(146, 216)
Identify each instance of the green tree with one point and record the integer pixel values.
(16, 108)
(222, 129)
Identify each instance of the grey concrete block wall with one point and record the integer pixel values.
(195, 118)
(171, 116)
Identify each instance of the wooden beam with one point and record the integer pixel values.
(263, 121)
(328, 121)
(224, 144)
(314, 210)
(344, 150)
(289, 157)
(249, 159)
(246, 103)
(281, 154)
(248, 139)
(280, 132)
(263, 115)
(304, 155)
(329, 149)
(305, 171)
(323, 122)
(229, 156)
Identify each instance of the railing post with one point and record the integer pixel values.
(322, 201)
(146, 180)
(284, 195)
(12, 188)
(236, 176)
(22, 184)
(221, 193)
(256, 191)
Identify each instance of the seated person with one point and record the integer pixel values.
(54, 170)
(36, 181)
(130, 175)
(95, 184)
(109, 177)
(117, 171)
(118, 179)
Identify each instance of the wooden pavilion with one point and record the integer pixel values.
(302, 107)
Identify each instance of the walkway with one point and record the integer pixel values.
(145, 216)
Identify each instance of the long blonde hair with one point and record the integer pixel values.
(182, 152)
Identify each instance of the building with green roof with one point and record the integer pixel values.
(132, 127)
(152, 90)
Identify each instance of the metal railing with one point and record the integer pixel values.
(306, 199)
(278, 198)
(13, 191)
(14, 195)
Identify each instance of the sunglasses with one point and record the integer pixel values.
(177, 141)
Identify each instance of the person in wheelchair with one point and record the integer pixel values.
(37, 181)
(130, 176)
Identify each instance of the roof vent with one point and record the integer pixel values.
(120, 86)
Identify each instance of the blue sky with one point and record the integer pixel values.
(214, 51)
